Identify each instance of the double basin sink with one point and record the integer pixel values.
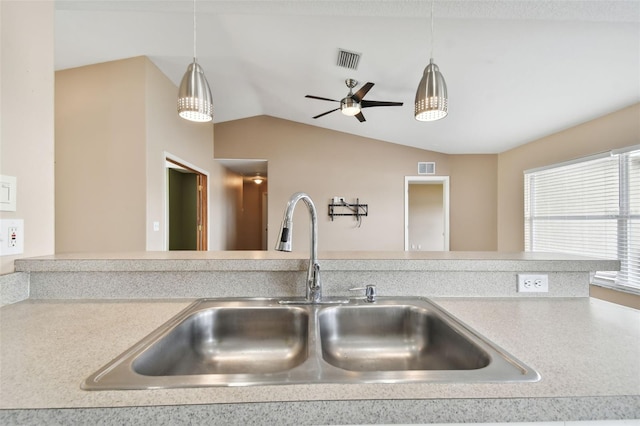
(241, 342)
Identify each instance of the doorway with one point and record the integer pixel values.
(187, 207)
(426, 207)
(251, 195)
(252, 224)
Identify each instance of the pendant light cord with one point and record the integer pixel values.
(432, 31)
(194, 30)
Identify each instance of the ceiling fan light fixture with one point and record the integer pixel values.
(431, 97)
(195, 102)
(353, 103)
(350, 107)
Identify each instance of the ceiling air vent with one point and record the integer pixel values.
(348, 59)
(426, 168)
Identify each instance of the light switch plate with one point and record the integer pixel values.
(8, 186)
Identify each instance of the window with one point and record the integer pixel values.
(589, 207)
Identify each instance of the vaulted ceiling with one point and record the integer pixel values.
(516, 71)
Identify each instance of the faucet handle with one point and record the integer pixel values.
(369, 292)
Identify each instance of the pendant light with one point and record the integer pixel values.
(431, 97)
(194, 95)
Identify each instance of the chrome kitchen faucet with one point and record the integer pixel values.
(313, 287)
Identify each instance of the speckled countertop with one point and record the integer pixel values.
(84, 310)
(334, 260)
(581, 347)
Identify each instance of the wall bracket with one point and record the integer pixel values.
(345, 209)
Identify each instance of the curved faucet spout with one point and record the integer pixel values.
(313, 288)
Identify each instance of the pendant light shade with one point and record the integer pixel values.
(194, 96)
(431, 97)
(195, 102)
(432, 102)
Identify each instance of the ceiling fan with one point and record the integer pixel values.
(353, 103)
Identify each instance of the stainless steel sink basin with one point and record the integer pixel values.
(227, 340)
(396, 337)
(241, 342)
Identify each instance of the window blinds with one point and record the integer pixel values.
(588, 208)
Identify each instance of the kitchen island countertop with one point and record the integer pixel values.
(586, 351)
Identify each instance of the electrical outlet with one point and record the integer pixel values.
(339, 200)
(533, 283)
(12, 235)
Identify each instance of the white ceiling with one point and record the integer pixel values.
(515, 70)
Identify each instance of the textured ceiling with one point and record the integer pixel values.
(515, 70)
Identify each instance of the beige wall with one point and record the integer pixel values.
(100, 157)
(26, 128)
(325, 163)
(617, 130)
(115, 124)
(619, 297)
(473, 195)
(225, 206)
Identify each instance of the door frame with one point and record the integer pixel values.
(264, 206)
(427, 180)
(203, 219)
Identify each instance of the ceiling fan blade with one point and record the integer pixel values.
(322, 99)
(363, 91)
(360, 117)
(325, 113)
(368, 104)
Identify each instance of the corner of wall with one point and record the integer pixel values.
(166, 133)
(27, 49)
(618, 129)
(100, 152)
